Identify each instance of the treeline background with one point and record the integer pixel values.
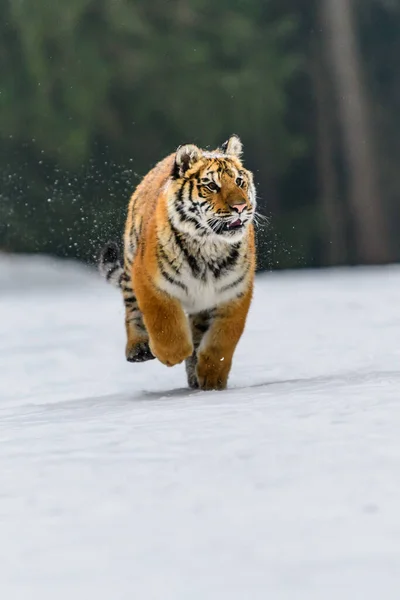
(94, 92)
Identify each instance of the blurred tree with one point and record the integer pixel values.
(94, 92)
(132, 80)
(333, 215)
(379, 34)
(370, 230)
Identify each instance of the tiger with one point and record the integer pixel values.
(188, 268)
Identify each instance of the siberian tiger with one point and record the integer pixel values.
(189, 262)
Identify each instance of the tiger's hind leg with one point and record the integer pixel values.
(199, 324)
(137, 344)
(116, 272)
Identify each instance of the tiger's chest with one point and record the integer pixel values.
(203, 283)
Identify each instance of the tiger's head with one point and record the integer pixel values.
(211, 193)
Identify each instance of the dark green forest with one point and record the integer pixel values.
(94, 92)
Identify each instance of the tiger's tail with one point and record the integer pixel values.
(110, 264)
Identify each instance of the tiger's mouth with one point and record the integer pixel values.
(222, 227)
(238, 224)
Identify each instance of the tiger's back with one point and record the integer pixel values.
(142, 206)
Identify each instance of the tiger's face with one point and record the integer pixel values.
(211, 193)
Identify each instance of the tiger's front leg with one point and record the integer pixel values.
(170, 338)
(215, 353)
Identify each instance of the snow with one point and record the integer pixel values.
(118, 482)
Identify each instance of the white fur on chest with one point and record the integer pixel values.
(206, 293)
(202, 290)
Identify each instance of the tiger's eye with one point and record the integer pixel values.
(212, 186)
(239, 182)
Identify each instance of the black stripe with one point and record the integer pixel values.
(168, 261)
(174, 281)
(175, 173)
(169, 278)
(191, 186)
(193, 208)
(179, 196)
(126, 285)
(137, 319)
(194, 267)
(237, 281)
(202, 326)
(112, 270)
(137, 234)
(226, 263)
(183, 211)
(134, 314)
(132, 230)
(130, 300)
(185, 218)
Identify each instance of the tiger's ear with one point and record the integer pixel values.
(186, 156)
(233, 146)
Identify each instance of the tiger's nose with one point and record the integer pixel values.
(239, 207)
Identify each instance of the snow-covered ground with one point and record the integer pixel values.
(116, 482)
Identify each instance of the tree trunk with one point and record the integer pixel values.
(370, 230)
(333, 217)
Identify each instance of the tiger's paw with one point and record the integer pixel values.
(211, 381)
(139, 352)
(212, 375)
(173, 354)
